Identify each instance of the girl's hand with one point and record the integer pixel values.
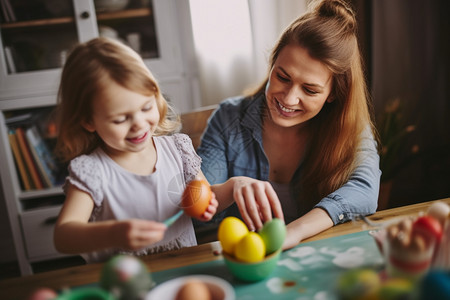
(135, 234)
(256, 200)
(211, 209)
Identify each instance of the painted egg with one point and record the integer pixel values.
(429, 227)
(273, 234)
(126, 276)
(440, 211)
(231, 231)
(43, 294)
(193, 290)
(358, 284)
(250, 248)
(396, 288)
(196, 198)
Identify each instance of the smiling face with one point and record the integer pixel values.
(123, 119)
(298, 87)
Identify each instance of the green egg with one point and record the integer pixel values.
(126, 277)
(273, 234)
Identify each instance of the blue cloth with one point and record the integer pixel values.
(232, 146)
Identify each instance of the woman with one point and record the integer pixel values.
(307, 129)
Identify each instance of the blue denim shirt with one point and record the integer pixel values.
(232, 146)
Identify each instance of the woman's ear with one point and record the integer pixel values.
(88, 126)
(330, 99)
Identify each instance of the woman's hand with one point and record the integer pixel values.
(256, 200)
(135, 234)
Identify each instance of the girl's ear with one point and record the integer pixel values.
(88, 126)
(330, 99)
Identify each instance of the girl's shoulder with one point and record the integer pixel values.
(83, 162)
(86, 173)
(177, 141)
(92, 160)
(182, 145)
(91, 168)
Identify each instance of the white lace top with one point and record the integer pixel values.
(120, 194)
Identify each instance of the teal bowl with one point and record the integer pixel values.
(252, 272)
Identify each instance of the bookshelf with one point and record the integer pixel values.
(29, 78)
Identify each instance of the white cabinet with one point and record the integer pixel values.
(34, 43)
(37, 226)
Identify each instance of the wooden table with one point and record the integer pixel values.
(19, 288)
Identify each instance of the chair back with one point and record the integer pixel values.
(193, 123)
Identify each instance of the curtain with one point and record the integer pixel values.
(411, 61)
(233, 40)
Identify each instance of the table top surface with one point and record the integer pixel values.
(20, 287)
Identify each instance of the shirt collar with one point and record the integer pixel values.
(252, 116)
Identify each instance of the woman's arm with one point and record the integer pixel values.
(359, 195)
(74, 234)
(310, 224)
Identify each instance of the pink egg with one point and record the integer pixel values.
(43, 294)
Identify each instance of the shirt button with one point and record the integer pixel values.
(341, 216)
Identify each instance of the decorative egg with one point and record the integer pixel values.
(193, 289)
(196, 198)
(435, 285)
(273, 234)
(43, 294)
(395, 288)
(127, 277)
(429, 227)
(358, 284)
(440, 211)
(231, 231)
(250, 248)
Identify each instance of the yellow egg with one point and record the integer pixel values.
(358, 284)
(231, 231)
(250, 248)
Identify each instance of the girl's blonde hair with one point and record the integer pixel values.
(88, 71)
(328, 32)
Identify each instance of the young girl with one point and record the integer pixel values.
(126, 175)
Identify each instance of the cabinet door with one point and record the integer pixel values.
(38, 229)
(36, 37)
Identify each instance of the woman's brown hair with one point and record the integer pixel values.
(328, 32)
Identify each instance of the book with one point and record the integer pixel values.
(9, 11)
(10, 60)
(41, 166)
(19, 119)
(45, 156)
(26, 180)
(28, 158)
(5, 11)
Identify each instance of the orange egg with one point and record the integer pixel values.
(196, 198)
(193, 289)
